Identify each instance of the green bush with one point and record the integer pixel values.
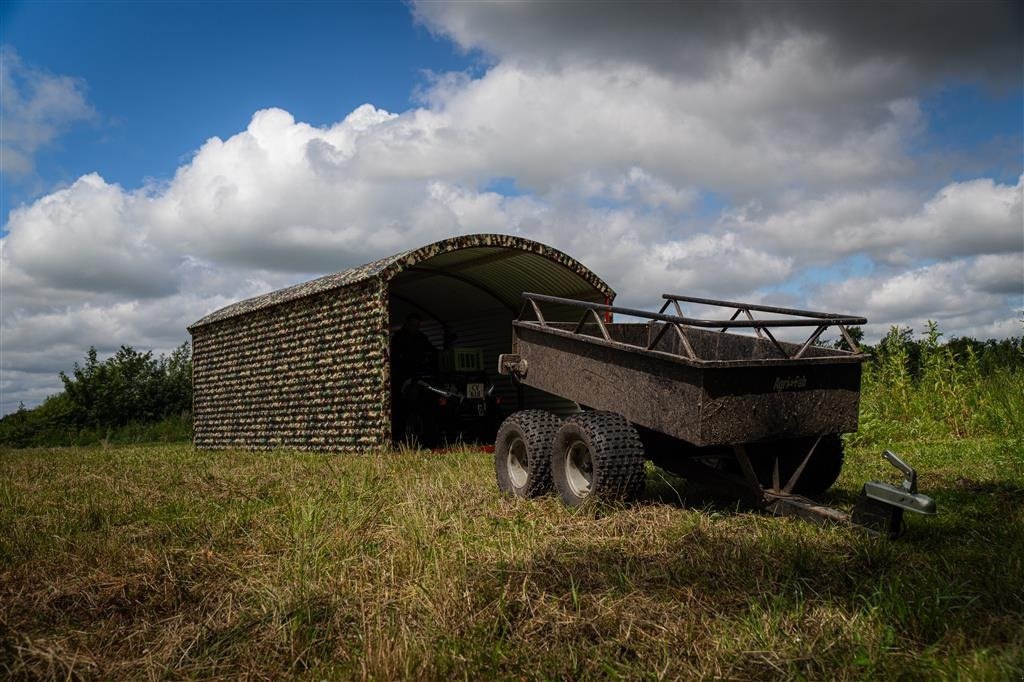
(928, 390)
(129, 387)
(49, 424)
(130, 397)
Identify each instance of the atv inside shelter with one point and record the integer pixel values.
(307, 367)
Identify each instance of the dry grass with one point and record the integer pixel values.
(158, 561)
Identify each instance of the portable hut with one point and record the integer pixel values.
(307, 366)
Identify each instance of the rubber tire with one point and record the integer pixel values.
(616, 452)
(537, 430)
(819, 475)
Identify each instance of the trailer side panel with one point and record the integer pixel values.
(662, 396)
(704, 403)
(749, 404)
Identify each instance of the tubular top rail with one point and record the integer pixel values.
(699, 322)
(835, 317)
(800, 318)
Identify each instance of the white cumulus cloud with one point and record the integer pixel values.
(36, 107)
(961, 219)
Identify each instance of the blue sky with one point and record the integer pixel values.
(164, 77)
(162, 160)
(981, 125)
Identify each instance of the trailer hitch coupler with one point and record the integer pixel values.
(880, 506)
(909, 474)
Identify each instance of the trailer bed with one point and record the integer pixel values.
(740, 394)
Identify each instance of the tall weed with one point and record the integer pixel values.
(948, 397)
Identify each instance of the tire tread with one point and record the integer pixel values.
(618, 455)
(537, 429)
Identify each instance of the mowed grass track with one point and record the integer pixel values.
(160, 561)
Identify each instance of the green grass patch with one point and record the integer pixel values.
(927, 391)
(160, 561)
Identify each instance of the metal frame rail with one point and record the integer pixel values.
(679, 322)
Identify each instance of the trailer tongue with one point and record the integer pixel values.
(753, 416)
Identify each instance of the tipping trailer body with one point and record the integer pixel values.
(688, 377)
(738, 391)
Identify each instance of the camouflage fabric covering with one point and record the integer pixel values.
(306, 367)
(311, 375)
(386, 268)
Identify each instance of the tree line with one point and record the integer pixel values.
(987, 356)
(130, 396)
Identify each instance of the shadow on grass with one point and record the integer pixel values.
(963, 503)
(954, 578)
(953, 582)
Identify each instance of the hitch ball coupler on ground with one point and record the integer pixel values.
(880, 505)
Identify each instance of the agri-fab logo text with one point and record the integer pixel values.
(789, 383)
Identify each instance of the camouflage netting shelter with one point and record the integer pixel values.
(307, 367)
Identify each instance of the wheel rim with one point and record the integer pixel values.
(518, 463)
(579, 469)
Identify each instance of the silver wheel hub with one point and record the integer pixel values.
(579, 469)
(518, 463)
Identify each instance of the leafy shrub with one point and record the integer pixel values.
(129, 397)
(925, 389)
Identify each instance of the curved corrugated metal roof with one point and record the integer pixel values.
(486, 268)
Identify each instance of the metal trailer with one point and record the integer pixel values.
(749, 415)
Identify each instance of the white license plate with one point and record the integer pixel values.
(475, 391)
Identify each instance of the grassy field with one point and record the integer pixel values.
(159, 561)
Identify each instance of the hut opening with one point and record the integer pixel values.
(311, 366)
